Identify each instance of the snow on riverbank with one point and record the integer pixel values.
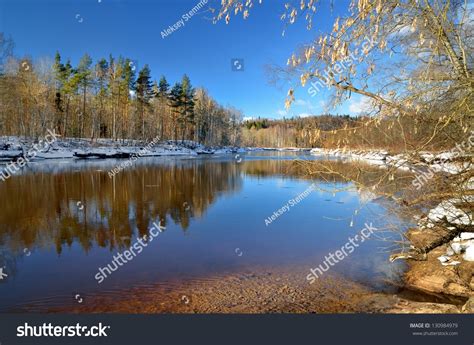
(12, 148)
(444, 162)
(451, 213)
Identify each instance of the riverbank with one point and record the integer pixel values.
(446, 269)
(13, 148)
(261, 291)
(416, 162)
(441, 256)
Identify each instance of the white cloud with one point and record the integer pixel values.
(299, 108)
(248, 118)
(302, 103)
(362, 105)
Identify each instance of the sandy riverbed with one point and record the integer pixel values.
(261, 291)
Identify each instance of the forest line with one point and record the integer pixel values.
(110, 98)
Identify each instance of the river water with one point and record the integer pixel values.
(62, 221)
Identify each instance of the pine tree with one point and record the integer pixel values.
(163, 98)
(58, 70)
(126, 72)
(84, 76)
(66, 83)
(187, 106)
(101, 70)
(176, 105)
(144, 93)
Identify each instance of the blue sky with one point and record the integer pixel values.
(132, 28)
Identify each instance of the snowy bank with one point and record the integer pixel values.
(13, 148)
(444, 162)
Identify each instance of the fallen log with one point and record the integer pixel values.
(97, 155)
(14, 156)
(11, 157)
(443, 236)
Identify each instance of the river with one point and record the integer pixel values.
(62, 221)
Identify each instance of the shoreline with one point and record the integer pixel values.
(12, 147)
(261, 291)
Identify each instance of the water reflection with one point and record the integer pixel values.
(88, 207)
(72, 217)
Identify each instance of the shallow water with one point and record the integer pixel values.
(60, 222)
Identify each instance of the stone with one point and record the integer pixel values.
(469, 254)
(468, 307)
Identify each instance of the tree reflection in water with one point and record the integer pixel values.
(43, 209)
